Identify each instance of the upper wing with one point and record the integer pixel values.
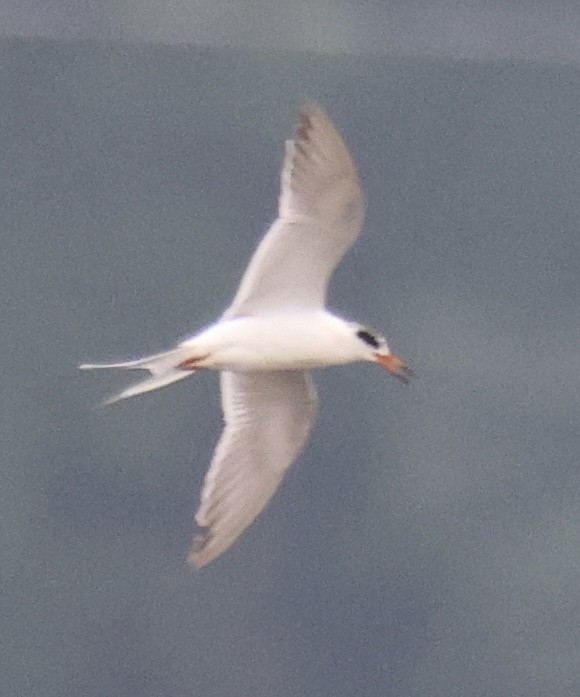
(321, 211)
(268, 416)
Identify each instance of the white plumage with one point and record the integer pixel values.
(274, 332)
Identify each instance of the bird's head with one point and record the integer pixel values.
(376, 350)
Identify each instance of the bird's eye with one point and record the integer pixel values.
(368, 338)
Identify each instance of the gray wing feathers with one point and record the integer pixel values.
(268, 417)
(321, 211)
(319, 178)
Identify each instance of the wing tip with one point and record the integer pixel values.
(311, 108)
(308, 114)
(199, 555)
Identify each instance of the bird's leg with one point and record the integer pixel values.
(192, 363)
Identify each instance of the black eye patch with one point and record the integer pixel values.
(368, 338)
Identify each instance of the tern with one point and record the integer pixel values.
(276, 331)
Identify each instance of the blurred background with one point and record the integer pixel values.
(427, 542)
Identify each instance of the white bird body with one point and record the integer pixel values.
(275, 331)
(290, 341)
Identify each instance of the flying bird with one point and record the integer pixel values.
(276, 330)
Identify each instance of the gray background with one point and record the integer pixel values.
(524, 29)
(427, 541)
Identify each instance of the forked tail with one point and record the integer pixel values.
(164, 369)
